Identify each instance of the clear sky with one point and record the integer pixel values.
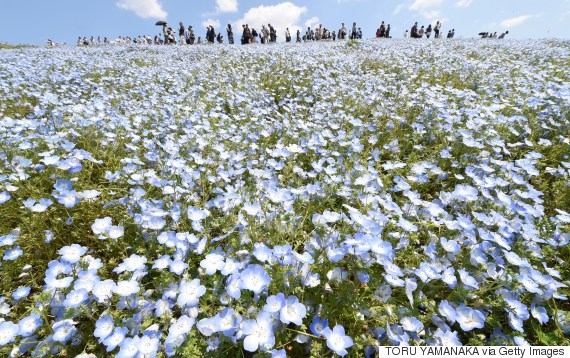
(34, 21)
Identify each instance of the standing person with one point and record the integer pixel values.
(253, 36)
(230, 34)
(359, 33)
(414, 31)
(382, 30)
(354, 32)
(298, 35)
(264, 34)
(388, 31)
(334, 36)
(212, 37)
(272, 34)
(192, 36)
(182, 34)
(406, 34)
(428, 31)
(452, 33)
(220, 38)
(449, 34)
(436, 29)
(287, 35)
(247, 34)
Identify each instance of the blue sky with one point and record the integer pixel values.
(34, 21)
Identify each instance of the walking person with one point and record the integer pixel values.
(388, 31)
(287, 35)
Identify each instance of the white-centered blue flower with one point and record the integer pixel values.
(254, 278)
(337, 340)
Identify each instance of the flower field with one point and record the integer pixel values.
(309, 200)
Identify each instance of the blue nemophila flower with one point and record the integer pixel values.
(21, 292)
(148, 346)
(182, 326)
(467, 279)
(229, 321)
(162, 262)
(49, 236)
(450, 246)
(209, 326)
(63, 330)
(447, 311)
(68, 198)
(131, 264)
(115, 231)
(447, 338)
(318, 325)
(190, 293)
(469, 319)
(76, 298)
(28, 325)
(162, 307)
(254, 278)
(129, 348)
(258, 333)
(100, 226)
(103, 290)
(8, 332)
(103, 328)
(539, 313)
(233, 286)
(41, 206)
(337, 341)
(411, 324)
(12, 254)
(178, 267)
(212, 263)
(275, 303)
(253, 209)
(293, 311)
(197, 214)
(116, 338)
(262, 252)
(4, 197)
(465, 193)
(72, 253)
(126, 288)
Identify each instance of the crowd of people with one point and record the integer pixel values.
(419, 32)
(493, 35)
(268, 34)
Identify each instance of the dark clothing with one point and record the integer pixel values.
(414, 32)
